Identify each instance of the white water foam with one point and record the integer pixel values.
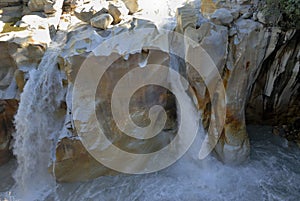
(37, 122)
(273, 173)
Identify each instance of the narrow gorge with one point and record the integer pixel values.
(215, 83)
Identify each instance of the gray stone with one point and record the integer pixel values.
(102, 21)
(222, 16)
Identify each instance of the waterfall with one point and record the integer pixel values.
(38, 122)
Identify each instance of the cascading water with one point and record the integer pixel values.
(273, 173)
(38, 122)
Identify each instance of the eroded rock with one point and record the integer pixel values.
(239, 59)
(70, 152)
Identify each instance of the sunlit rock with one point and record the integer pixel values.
(239, 59)
(118, 10)
(70, 152)
(102, 21)
(132, 5)
(208, 7)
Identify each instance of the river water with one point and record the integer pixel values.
(272, 173)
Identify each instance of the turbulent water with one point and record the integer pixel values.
(37, 124)
(273, 173)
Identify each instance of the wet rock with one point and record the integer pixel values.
(71, 155)
(8, 109)
(21, 51)
(239, 59)
(102, 21)
(274, 97)
(20, 79)
(74, 163)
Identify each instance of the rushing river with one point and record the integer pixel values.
(272, 173)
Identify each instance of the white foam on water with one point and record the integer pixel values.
(273, 173)
(38, 122)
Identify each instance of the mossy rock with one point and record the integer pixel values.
(10, 27)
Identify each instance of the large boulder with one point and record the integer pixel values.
(71, 155)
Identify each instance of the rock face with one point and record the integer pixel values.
(8, 108)
(242, 50)
(275, 96)
(71, 156)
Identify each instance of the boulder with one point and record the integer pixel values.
(132, 5)
(38, 5)
(118, 10)
(222, 16)
(74, 163)
(102, 21)
(71, 155)
(85, 13)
